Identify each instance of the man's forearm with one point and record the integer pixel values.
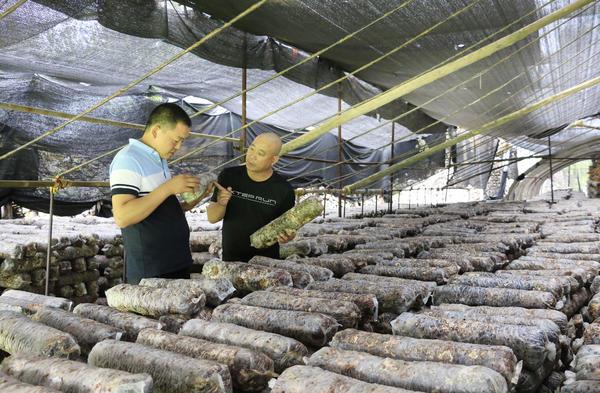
(137, 209)
(215, 212)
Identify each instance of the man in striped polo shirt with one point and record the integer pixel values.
(155, 231)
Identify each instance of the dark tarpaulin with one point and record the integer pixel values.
(82, 141)
(182, 26)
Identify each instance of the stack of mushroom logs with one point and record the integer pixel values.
(464, 298)
(86, 258)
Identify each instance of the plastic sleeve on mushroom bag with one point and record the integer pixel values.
(345, 313)
(155, 302)
(302, 379)
(502, 297)
(9, 384)
(367, 303)
(311, 329)
(75, 377)
(21, 335)
(301, 214)
(250, 370)
(528, 343)
(391, 298)
(284, 351)
(216, 290)
(130, 323)
(34, 298)
(425, 376)
(498, 358)
(171, 372)
(245, 277)
(86, 331)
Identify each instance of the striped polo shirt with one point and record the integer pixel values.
(137, 169)
(159, 244)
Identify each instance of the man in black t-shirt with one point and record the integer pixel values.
(248, 197)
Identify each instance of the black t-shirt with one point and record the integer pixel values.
(159, 244)
(252, 206)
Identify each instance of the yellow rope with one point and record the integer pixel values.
(137, 81)
(12, 9)
(328, 85)
(486, 127)
(311, 57)
(577, 123)
(415, 83)
(465, 50)
(472, 102)
(96, 120)
(315, 55)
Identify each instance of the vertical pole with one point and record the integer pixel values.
(399, 197)
(344, 214)
(409, 197)
(324, 203)
(124, 266)
(376, 197)
(243, 133)
(391, 163)
(340, 152)
(551, 171)
(362, 204)
(49, 250)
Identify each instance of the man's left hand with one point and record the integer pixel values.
(286, 236)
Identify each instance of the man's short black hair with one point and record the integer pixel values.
(168, 114)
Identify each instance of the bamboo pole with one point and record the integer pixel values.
(97, 120)
(486, 127)
(12, 8)
(431, 76)
(49, 183)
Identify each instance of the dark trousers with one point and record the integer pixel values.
(182, 273)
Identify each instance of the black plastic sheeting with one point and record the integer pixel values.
(110, 43)
(68, 54)
(540, 68)
(82, 141)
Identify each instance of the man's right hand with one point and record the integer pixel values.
(183, 183)
(224, 194)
